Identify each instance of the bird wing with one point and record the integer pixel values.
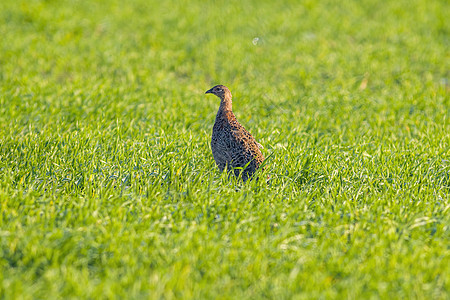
(245, 146)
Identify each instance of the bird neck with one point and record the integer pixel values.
(225, 104)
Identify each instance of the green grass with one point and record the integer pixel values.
(108, 187)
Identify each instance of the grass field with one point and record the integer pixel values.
(108, 188)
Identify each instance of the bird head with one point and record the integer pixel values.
(220, 91)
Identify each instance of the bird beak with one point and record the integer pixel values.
(208, 91)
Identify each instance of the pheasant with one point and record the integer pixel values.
(231, 144)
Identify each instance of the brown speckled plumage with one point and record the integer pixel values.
(232, 145)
